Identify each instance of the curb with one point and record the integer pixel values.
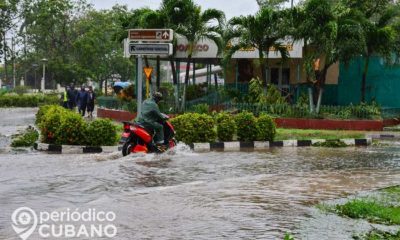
(237, 146)
(67, 149)
(200, 147)
(384, 136)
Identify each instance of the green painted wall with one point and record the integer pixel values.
(383, 83)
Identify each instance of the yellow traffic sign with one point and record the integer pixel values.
(148, 71)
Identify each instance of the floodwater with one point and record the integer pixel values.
(186, 195)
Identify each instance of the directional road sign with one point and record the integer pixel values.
(159, 35)
(150, 49)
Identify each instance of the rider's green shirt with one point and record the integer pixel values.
(150, 112)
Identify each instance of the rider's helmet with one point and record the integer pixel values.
(157, 96)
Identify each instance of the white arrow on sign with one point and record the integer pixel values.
(165, 35)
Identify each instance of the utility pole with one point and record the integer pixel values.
(13, 59)
(5, 57)
(43, 81)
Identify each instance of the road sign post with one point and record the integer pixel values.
(140, 85)
(147, 42)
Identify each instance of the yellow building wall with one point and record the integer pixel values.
(331, 78)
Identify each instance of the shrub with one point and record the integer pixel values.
(226, 126)
(14, 100)
(21, 90)
(257, 93)
(101, 132)
(26, 139)
(194, 127)
(246, 126)
(42, 112)
(266, 128)
(194, 91)
(71, 130)
(50, 122)
(200, 108)
(130, 106)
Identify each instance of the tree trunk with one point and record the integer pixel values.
(194, 72)
(364, 78)
(105, 88)
(186, 82)
(311, 99)
(321, 84)
(101, 85)
(158, 80)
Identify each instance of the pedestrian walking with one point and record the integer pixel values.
(90, 104)
(82, 100)
(64, 97)
(71, 97)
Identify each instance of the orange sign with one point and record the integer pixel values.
(148, 71)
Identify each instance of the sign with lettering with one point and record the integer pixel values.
(150, 49)
(159, 35)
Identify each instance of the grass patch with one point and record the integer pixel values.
(26, 139)
(395, 190)
(307, 134)
(379, 235)
(331, 144)
(372, 210)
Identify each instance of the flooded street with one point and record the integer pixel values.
(186, 195)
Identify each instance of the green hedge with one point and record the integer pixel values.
(60, 126)
(266, 128)
(71, 130)
(101, 132)
(194, 127)
(34, 100)
(226, 126)
(246, 124)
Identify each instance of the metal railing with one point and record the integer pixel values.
(278, 110)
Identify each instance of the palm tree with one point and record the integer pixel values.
(332, 32)
(261, 31)
(171, 14)
(200, 25)
(381, 37)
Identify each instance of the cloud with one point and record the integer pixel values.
(231, 8)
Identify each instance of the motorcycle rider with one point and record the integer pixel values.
(150, 117)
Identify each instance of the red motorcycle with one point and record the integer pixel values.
(137, 139)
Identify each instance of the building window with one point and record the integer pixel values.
(280, 77)
(275, 76)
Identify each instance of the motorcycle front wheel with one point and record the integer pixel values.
(127, 148)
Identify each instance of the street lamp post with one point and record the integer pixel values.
(42, 83)
(35, 66)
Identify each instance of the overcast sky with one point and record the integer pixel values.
(230, 7)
